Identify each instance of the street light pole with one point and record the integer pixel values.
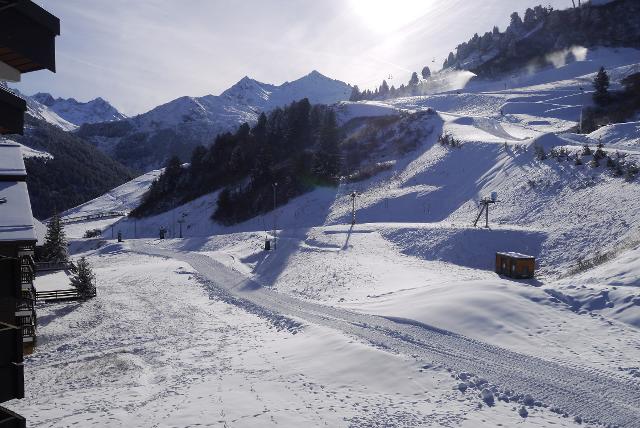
(353, 207)
(581, 107)
(275, 230)
(181, 221)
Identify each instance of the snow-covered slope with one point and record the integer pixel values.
(146, 140)
(78, 113)
(427, 200)
(414, 260)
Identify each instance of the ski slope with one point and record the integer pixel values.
(413, 278)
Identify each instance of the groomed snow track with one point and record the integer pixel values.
(596, 396)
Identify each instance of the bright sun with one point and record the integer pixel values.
(387, 16)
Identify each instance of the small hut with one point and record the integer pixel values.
(515, 265)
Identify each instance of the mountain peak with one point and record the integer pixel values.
(44, 98)
(77, 112)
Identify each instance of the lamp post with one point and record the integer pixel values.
(581, 106)
(181, 221)
(275, 233)
(354, 194)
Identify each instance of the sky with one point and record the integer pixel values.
(143, 53)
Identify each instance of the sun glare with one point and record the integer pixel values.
(387, 16)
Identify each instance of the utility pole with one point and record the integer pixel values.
(353, 207)
(181, 221)
(275, 230)
(581, 106)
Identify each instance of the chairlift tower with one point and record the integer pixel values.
(484, 208)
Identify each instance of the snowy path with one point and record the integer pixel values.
(592, 394)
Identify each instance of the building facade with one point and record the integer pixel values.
(27, 43)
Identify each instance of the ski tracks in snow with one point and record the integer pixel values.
(596, 396)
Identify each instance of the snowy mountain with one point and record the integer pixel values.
(78, 113)
(175, 128)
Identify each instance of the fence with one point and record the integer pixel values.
(57, 295)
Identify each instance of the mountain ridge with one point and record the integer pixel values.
(146, 140)
(78, 112)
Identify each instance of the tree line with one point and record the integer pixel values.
(296, 147)
(386, 92)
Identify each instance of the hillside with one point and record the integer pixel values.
(546, 37)
(64, 171)
(146, 141)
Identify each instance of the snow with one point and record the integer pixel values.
(218, 329)
(619, 135)
(51, 281)
(121, 199)
(27, 152)
(178, 358)
(11, 162)
(16, 222)
(79, 113)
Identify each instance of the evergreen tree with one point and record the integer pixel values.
(326, 163)
(355, 94)
(55, 242)
(529, 18)
(84, 279)
(414, 79)
(426, 72)
(516, 21)
(384, 89)
(450, 60)
(601, 85)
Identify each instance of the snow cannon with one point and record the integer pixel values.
(494, 196)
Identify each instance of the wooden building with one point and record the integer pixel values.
(27, 43)
(515, 265)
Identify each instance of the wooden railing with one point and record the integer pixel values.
(48, 266)
(60, 295)
(57, 295)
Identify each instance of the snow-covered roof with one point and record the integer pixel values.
(11, 162)
(16, 220)
(515, 255)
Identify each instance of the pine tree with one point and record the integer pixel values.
(355, 94)
(84, 279)
(326, 164)
(384, 89)
(529, 18)
(414, 79)
(426, 72)
(55, 245)
(516, 21)
(601, 85)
